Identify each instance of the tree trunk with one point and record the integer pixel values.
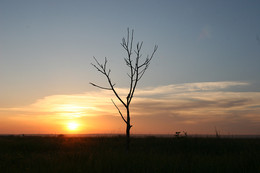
(128, 127)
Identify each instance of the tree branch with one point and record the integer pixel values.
(119, 111)
(102, 69)
(100, 86)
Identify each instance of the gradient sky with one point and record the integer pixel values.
(205, 74)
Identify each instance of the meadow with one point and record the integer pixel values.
(147, 154)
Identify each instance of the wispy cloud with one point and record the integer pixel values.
(192, 87)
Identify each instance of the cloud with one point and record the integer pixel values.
(190, 87)
(201, 105)
(190, 105)
(197, 99)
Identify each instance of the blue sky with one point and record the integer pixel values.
(46, 47)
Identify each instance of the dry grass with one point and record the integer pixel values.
(148, 154)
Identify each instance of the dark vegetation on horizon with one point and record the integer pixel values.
(148, 154)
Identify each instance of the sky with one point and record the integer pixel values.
(204, 76)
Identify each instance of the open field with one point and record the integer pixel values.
(147, 154)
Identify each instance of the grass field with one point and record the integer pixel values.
(147, 154)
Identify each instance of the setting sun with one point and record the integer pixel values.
(72, 126)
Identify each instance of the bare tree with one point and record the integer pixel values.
(136, 72)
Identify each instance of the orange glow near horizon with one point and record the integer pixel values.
(196, 108)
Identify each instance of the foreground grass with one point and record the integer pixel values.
(107, 154)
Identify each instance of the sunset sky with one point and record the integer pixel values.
(204, 76)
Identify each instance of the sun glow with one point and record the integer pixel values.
(72, 126)
(72, 110)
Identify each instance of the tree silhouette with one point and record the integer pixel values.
(137, 70)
